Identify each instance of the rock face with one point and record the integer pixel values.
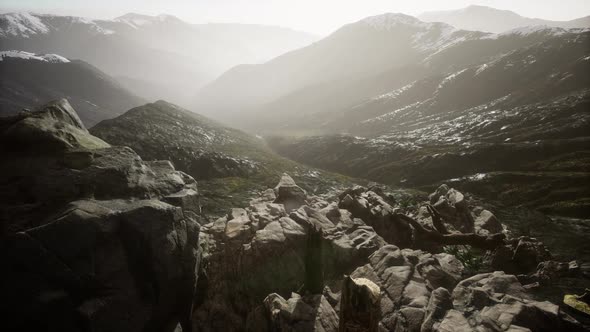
(359, 308)
(96, 239)
(297, 314)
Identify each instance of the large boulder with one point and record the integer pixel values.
(95, 239)
(55, 126)
(359, 305)
(407, 278)
(297, 314)
(109, 265)
(519, 255)
(289, 193)
(376, 212)
(54, 161)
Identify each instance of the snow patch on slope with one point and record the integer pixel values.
(532, 30)
(138, 20)
(451, 78)
(53, 58)
(21, 24)
(389, 21)
(395, 93)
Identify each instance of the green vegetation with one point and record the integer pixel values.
(471, 258)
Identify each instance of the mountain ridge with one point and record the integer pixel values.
(168, 53)
(28, 79)
(489, 19)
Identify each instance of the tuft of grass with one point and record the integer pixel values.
(471, 258)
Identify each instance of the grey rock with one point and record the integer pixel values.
(289, 193)
(118, 266)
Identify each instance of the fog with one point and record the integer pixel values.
(295, 166)
(318, 17)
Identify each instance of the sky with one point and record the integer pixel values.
(316, 16)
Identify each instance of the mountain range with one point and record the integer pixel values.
(307, 89)
(430, 177)
(28, 80)
(482, 18)
(154, 56)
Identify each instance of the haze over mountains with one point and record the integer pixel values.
(432, 176)
(152, 55)
(28, 80)
(482, 18)
(361, 61)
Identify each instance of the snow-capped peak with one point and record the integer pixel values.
(53, 58)
(26, 24)
(136, 20)
(531, 30)
(21, 24)
(389, 21)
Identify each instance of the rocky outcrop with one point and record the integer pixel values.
(51, 160)
(96, 238)
(263, 249)
(377, 213)
(424, 292)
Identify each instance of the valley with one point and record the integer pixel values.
(401, 173)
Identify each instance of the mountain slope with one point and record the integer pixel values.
(525, 75)
(518, 124)
(364, 48)
(230, 164)
(481, 18)
(27, 80)
(304, 91)
(165, 50)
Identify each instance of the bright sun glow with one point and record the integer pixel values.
(317, 16)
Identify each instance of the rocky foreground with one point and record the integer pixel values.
(96, 239)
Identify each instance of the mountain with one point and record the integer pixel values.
(482, 18)
(526, 75)
(28, 79)
(158, 50)
(512, 127)
(229, 164)
(360, 49)
(302, 91)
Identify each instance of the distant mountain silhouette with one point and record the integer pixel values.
(28, 80)
(482, 18)
(153, 50)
